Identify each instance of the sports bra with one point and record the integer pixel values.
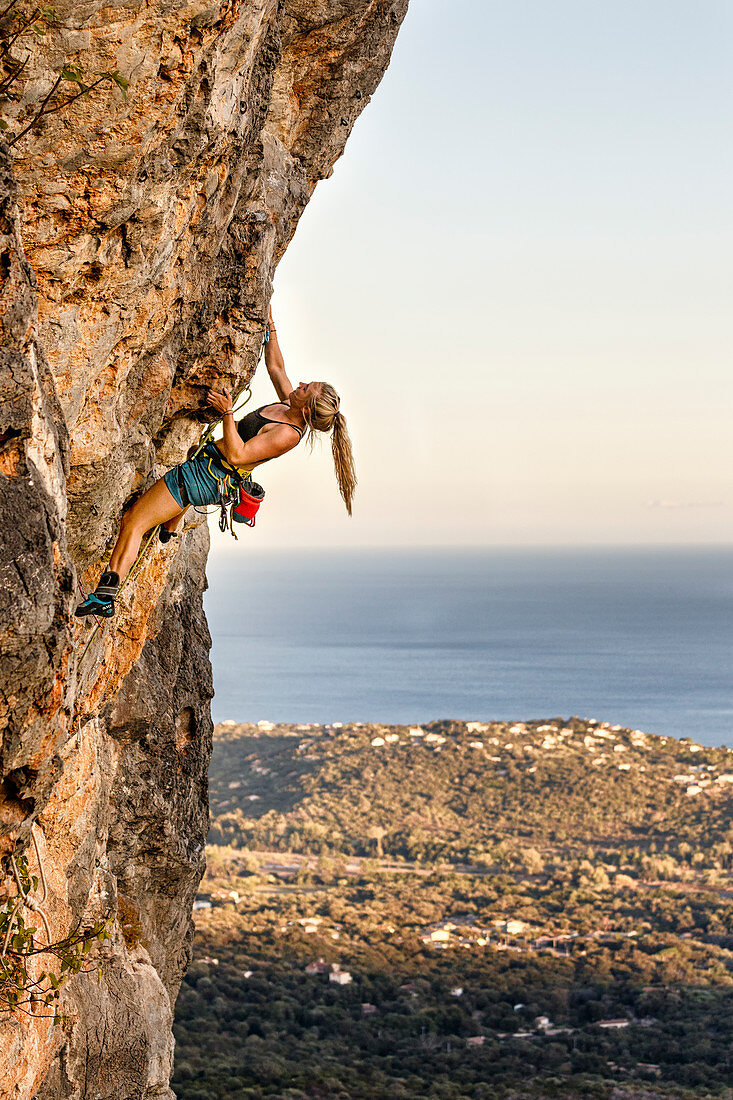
(249, 426)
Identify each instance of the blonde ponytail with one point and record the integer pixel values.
(323, 415)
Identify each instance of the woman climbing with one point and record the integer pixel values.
(264, 434)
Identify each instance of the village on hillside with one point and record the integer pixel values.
(478, 904)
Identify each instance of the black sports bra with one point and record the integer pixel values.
(249, 426)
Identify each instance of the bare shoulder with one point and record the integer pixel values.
(281, 433)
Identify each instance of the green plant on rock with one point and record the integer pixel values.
(16, 28)
(20, 990)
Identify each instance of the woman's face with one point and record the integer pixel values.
(303, 393)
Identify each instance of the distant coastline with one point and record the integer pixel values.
(634, 637)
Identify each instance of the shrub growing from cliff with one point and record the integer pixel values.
(17, 26)
(23, 986)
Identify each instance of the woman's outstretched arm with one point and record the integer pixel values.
(275, 363)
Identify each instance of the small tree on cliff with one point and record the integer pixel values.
(18, 26)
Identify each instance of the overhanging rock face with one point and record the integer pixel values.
(138, 241)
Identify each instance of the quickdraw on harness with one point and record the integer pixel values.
(239, 496)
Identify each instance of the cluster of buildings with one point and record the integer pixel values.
(543, 1025)
(216, 898)
(502, 935)
(333, 972)
(700, 777)
(514, 935)
(310, 925)
(466, 933)
(601, 741)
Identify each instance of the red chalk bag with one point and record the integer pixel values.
(251, 496)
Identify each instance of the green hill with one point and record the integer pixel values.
(520, 910)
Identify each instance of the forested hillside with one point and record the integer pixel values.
(462, 910)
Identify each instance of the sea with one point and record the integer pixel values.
(642, 638)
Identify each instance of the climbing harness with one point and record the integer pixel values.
(227, 479)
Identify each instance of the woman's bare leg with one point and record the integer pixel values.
(156, 506)
(172, 525)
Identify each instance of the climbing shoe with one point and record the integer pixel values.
(166, 536)
(93, 605)
(101, 600)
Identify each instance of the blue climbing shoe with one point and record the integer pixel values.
(93, 605)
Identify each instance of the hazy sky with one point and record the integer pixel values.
(519, 279)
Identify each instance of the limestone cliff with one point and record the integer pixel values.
(138, 241)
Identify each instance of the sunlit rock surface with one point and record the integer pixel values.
(138, 242)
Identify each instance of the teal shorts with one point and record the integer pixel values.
(202, 480)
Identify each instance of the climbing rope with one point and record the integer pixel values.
(40, 863)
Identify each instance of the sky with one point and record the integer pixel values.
(518, 278)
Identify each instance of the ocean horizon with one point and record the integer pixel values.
(639, 637)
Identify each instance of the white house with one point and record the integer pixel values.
(340, 977)
(515, 927)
